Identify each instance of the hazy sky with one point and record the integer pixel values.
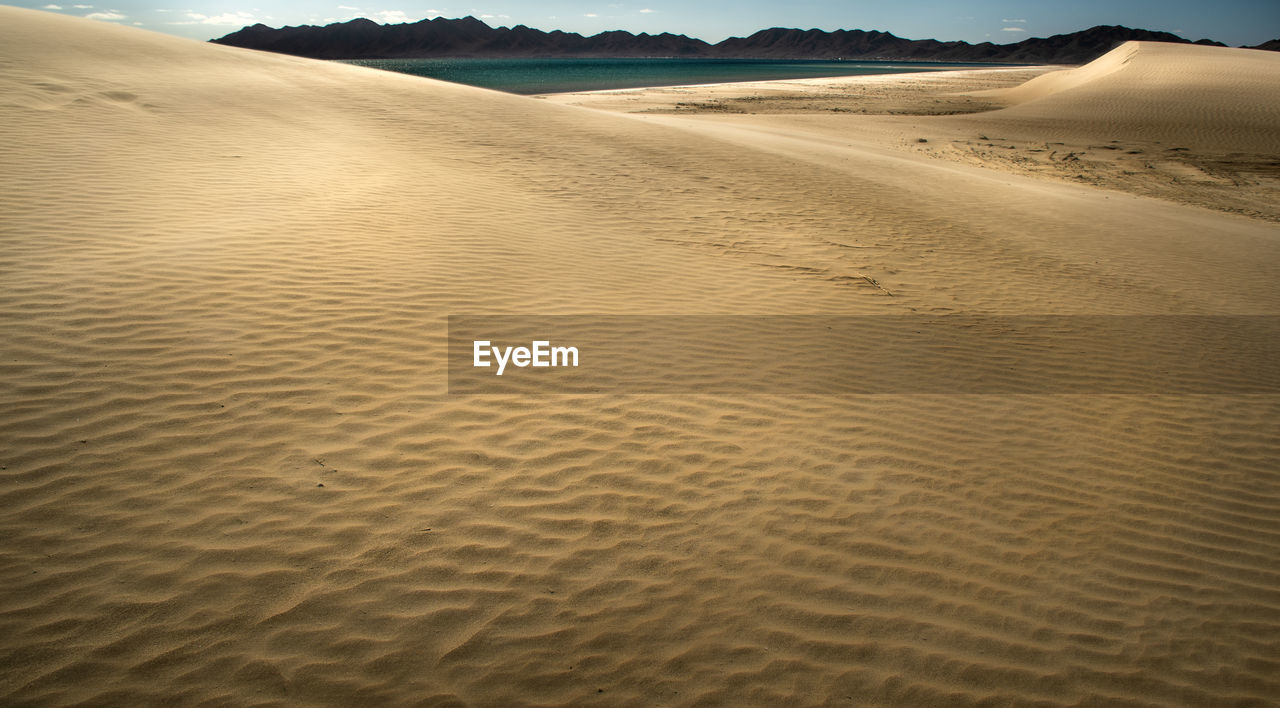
(1235, 22)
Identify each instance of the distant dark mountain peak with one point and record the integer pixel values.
(469, 37)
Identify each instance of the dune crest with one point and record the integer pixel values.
(1062, 80)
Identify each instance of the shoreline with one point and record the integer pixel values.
(813, 81)
(526, 76)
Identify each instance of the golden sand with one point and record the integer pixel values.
(1189, 124)
(231, 472)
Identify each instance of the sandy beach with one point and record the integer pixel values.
(1122, 123)
(231, 471)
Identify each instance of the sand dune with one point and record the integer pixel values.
(1206, 98)
(1187, 123)
(230, 472)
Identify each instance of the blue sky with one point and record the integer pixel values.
(1232, 21)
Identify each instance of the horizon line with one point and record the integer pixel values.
(688, 36)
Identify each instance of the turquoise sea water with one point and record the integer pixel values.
(528, 76)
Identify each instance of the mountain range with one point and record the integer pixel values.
(469, 37)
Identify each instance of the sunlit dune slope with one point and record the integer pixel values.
(1203, 97)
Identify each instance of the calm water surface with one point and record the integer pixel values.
(528, 76)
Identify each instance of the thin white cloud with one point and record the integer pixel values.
(83, 7)
(1015, 21)
(389, 17)
(106, 16)
(1013, 29)
(229, 19)
(590, 14)
(348, 7)
(52, 7)
(645, 11)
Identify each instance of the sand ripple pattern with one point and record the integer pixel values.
(230, 474)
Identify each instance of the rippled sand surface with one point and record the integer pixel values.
(230, 471)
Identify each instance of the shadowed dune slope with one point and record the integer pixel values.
(230, 472)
